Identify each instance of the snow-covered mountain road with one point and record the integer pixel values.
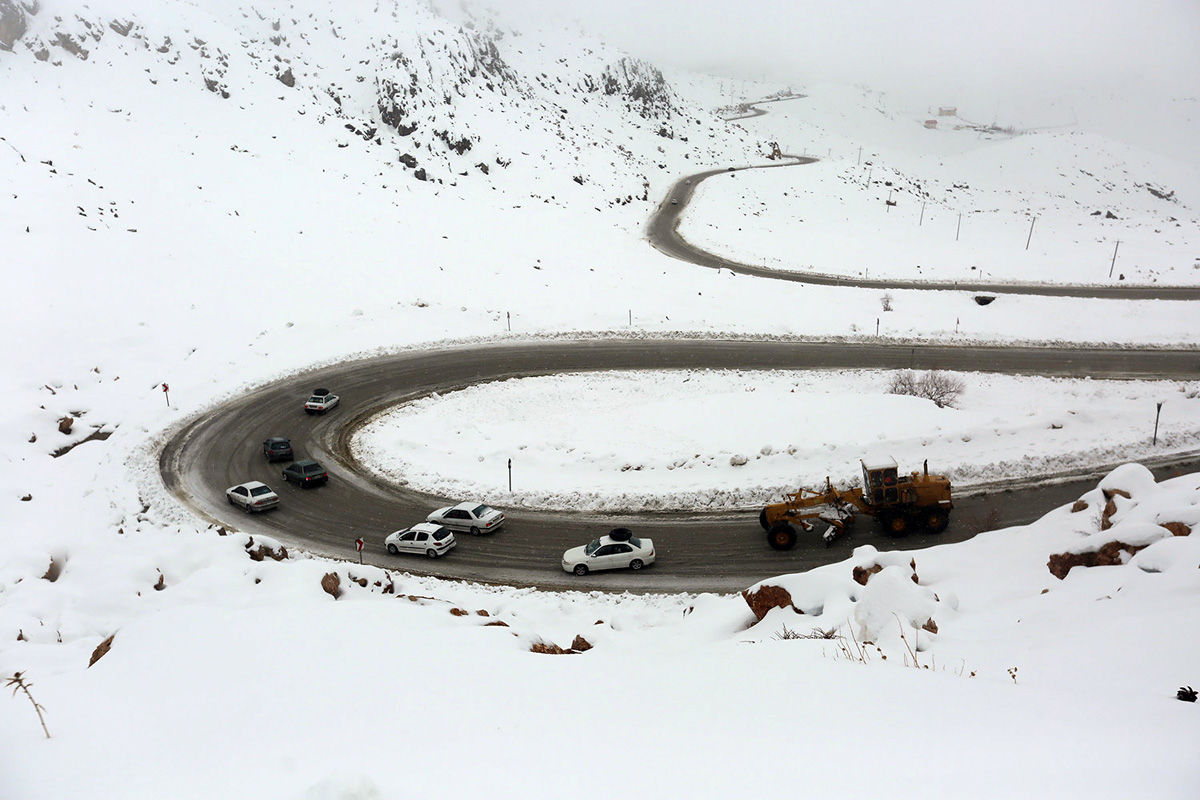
(697, 551)
(663, 233)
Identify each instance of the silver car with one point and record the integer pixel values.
(252, 496)
(422, 538)
(469, 517)
(618, 550)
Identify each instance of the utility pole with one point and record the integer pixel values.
(1030, 237)
(860, 155)
(959, 228)
(1156, 415)
(1114, 261)
(922, 220)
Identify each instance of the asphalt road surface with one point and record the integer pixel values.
(696, 551)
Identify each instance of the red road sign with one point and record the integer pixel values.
(166, 388)
(359, 544)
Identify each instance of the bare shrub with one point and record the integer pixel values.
(943, 389)
(19, 684)
(885, 301)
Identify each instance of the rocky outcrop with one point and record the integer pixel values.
(1110, 506)
(12, 23)
(638, 83)
(1108, 555)
(101, 650)
(766, 597)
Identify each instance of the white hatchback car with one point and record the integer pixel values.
(422, 538)
(320, 401)
(252, 496)
(619, 549)
(469, 517)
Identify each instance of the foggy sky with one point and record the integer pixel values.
(1022, 53)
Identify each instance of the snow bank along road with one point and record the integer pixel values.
(663, 233)
(696, 551)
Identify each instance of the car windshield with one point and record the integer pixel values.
(635, 541)
(312, 467)
(481, 510)
(441, 533)
(316, 399)
(592, 547)
(258, 491)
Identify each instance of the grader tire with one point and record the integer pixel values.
(895, 524)
(782, 536)
(935, 520)
(762, 519)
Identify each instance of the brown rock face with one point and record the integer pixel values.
(1109, 555)
(1079, 505)
(101, 650)
(580, 644)
(862, 575)
(332, 585)
(548, 649)
(765, 598)
(1178, 528)
(1110, 506)
(64, 424)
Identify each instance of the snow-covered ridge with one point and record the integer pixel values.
(438, 98)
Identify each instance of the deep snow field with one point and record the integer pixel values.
(217, 195)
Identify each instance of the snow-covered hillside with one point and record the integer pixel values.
(207, 196)
(963, 201)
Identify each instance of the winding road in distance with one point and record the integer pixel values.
(697, 551)
(663, 233)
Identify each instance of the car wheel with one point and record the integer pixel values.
(285, 477)
(580, 569)
(782, 536)
(393, 550)
(431, 553)
(636, 564)
(229, 497)
(247, 507)
(474, 531)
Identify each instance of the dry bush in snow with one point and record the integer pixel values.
(941, 388)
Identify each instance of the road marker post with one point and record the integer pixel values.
(359, 544)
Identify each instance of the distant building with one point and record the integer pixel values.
(931, 123)
(947, 111)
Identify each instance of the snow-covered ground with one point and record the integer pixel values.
(215, 195)
(713, 439)
(953, 203)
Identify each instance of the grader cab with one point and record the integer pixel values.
(901, 503)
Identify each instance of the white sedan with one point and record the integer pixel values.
(320, 401)
(469, 517)
(619, 549)
(252, 496)
(422, 538)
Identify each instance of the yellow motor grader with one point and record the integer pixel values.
(901, 503)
